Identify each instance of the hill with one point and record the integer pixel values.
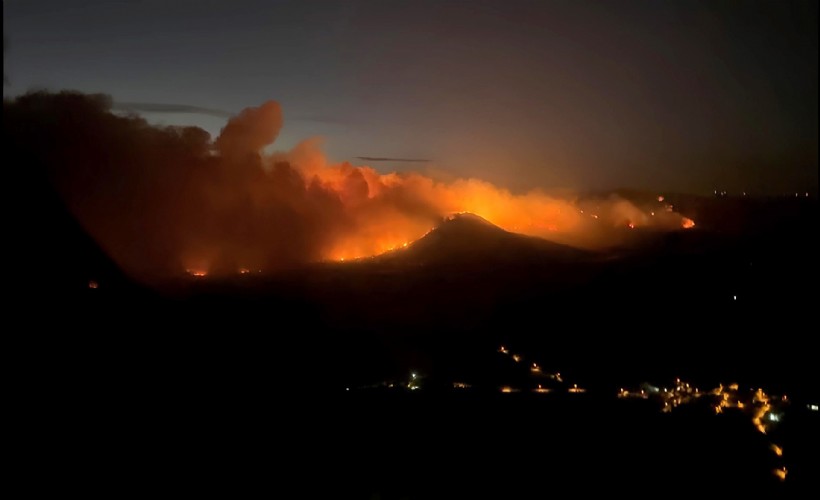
(469, 238)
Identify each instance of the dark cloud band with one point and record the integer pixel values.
(155, 107)
(379, 158)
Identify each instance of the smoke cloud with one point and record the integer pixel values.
(162, 200)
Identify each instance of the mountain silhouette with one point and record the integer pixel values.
(468, 238)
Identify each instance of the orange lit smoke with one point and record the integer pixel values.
(163, 200)
(390, 211)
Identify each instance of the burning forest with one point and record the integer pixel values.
(163, 200)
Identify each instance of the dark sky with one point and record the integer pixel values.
(663, 94)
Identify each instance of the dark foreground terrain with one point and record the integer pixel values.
(234, 442)
(220, 384)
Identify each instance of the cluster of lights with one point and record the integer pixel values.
(760, 405)
(724, 193)
(414, 383)
(756, 402)
(536, 370)
(681, 393)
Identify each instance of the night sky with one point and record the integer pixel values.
(686, 96)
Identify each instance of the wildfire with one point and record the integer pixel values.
(382, 225)
(239, 200)
(358, 248)
(687, 223)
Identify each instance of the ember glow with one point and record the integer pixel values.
(215, 207)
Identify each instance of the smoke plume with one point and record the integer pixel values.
(162, 200)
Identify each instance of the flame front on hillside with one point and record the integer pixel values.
(163, 199)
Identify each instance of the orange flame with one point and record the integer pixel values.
(359, 212)
(216, 206)
(378, 206)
